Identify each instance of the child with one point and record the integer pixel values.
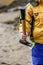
(37, 33)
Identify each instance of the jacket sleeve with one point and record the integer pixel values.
(28, 19)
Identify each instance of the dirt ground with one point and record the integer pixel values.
(11, 51)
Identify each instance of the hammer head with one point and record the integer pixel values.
(22, 10)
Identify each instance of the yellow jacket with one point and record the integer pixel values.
(37, 12)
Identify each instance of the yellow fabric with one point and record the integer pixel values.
(38, 1)
(37, 12)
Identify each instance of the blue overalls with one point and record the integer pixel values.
(37, 54)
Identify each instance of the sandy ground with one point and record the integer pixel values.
(9, 16)
(11, 51)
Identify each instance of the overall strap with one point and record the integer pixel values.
(32, 28)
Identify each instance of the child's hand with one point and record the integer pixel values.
(23, 37)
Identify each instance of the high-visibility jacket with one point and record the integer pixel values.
(37, 12)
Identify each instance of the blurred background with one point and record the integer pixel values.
(6, 5)
(11, 51)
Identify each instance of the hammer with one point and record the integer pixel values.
(22, 10)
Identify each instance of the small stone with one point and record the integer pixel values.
(5, 50)
(18, 64)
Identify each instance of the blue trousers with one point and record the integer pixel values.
(37, 54)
